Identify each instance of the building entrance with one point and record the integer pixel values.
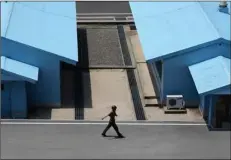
(222, 112)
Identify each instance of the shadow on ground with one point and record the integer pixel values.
(110, 137)
(39, 113)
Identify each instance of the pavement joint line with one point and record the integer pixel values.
(89, 123)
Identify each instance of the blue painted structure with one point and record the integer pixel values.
(14, 100)
(181, 34)
(40, 34)
(15, 70)
(211, 74)
(14, 75)
(212, 78)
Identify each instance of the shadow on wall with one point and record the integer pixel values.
(83, 68)
(82, 77)
(39, 113)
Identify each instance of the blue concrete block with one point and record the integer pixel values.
(211, 74)
(49, 26)
(168, 27)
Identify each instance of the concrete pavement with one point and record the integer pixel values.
(109, 87)
(78, 141)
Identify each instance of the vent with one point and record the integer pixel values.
(121, 18)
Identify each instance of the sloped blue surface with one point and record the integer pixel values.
(168, 27)
(221, 21)
(20, 69)
(211, 74)
(49, 26)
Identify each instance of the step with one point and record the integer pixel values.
(151, 97)
(63, 114)
(175, 111)
(151, 102)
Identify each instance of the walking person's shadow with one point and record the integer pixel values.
(110, 137)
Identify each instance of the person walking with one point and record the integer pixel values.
(112, 123)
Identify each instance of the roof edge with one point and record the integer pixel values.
(61, 58)
(222, 58)
(17, 76)
(5, 70)
(190, 49)
(215, 90)
(208, 19)
(10, 17)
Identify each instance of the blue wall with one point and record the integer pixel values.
(204, 105)
(47, 90)
(223, 91)
(18, 100)
(6, 100)
(13, 100)
(177, 78)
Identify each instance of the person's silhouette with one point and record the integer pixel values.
(112, 123)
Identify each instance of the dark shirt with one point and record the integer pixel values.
(112, 116)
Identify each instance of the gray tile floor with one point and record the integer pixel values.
(72, 141)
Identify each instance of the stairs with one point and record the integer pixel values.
(151, 101)
(175, 111)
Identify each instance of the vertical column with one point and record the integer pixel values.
(212, 114)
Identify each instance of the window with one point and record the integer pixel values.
(2, 87)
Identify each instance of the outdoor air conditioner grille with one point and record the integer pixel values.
(175, 102)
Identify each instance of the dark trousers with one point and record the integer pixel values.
(112, 124)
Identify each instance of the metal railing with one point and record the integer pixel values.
(105, 17)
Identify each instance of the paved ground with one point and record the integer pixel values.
(84, 141)
(157, 114)
(108, 87)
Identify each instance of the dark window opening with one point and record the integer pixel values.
(2, 87)
(132, 27)
(159, 68)
(120, 18)
(222, 113)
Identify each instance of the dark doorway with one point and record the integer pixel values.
(223, 112)
(68, 90)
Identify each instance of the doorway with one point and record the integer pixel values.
(68, 88)
(222, 112)
(5, 100)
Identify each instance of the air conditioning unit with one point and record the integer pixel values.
(175, 101)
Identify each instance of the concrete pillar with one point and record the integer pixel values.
(211, 106)
(212, 103)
